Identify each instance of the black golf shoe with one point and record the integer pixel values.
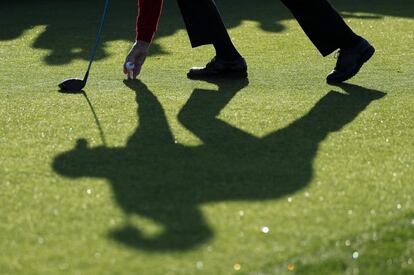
(350, 62)
(220, 68)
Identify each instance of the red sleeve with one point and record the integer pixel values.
(149, 12)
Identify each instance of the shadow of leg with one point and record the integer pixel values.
(294, 147)
(361, 92)
(199, 114)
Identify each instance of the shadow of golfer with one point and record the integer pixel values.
(157, 178)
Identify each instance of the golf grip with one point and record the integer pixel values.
(98, 38)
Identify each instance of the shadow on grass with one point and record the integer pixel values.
(155, 177)
(70, 26)
(95, 116)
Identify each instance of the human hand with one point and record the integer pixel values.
(136, 56)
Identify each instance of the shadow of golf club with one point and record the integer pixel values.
(95, 116)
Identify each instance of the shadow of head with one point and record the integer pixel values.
(84, 161)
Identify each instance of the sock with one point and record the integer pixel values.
(352, 43)
(225, 50)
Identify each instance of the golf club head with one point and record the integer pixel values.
(72, 85)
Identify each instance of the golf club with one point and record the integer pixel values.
(77, 84)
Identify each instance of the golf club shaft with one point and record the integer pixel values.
(98, 38)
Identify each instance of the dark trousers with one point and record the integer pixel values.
(319, 20)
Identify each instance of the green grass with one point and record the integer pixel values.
(179, 176)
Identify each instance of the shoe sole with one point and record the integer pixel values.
(364, 58)
(229, 75)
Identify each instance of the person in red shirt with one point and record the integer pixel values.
(319, 20)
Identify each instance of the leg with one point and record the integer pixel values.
(322, 24)
(205, 26)
(328, 32)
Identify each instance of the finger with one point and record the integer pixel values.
(129, 59)
(136, 71)
(138, 65)
(125, 67)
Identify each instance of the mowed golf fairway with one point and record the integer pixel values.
(282, 174)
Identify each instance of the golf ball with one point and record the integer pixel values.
(129, 66)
